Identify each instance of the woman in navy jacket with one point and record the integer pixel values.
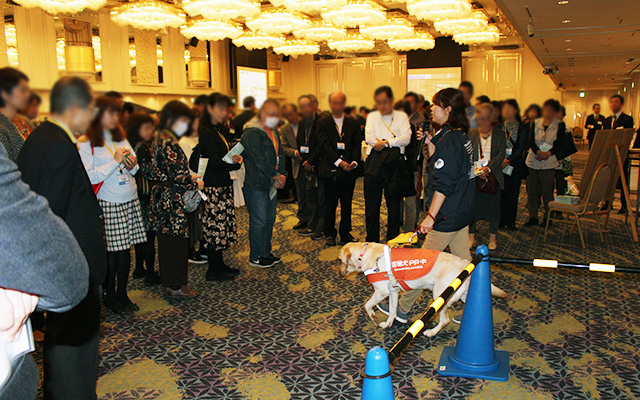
(517, 138)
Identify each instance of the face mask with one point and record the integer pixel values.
(271, 122)
(180, 128)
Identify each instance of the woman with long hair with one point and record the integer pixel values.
(218, 219)
(451, 185)
(513, 165)
(168, 216)
(111, 164)
(140, 128)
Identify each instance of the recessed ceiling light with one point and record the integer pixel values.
(567, 40)
(563, 2)
(569, 49)
(566, 21)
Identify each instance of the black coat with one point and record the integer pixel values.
(597, 123)
(624, 121)
(520, 147)
(51, 166)
(328, 138)
(241, 119)
(309, 139)
(212, 146)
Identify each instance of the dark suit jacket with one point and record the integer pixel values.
(592, 120)
(309, 139)
(290, 146)
(328, 138)
(241, 119)
(51, 166)
(498, 151)
(624, 121)
(520, 144)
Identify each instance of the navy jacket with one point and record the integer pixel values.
(451, 173)
(260, 160)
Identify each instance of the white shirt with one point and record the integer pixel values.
(295, 129)
(339, 122)
(119, 185)
(394, 128)
(485, 148)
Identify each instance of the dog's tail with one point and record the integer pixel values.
(497, 292)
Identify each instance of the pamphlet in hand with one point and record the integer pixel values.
(273, 192)
(11, 351)
(235, 151)
(202, 167)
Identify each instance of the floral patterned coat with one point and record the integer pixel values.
(171, 172)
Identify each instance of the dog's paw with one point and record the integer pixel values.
(386, 324)
(371, 314)
(430, 332)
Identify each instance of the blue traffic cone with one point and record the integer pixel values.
(377, 383)
(474, 355)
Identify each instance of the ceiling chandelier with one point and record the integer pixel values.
(221, 9)
(394, 28)
(62, 6)
(476, 22)
(423, 41)
(353, 43)
(355, 13)
(258, 40)
(312, 6)
(211, 29)
(148, 15)
(432, 10)
(277, 21)
(490, 35)
(321, 31)
(297, 47)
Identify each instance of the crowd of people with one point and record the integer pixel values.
(115, 179)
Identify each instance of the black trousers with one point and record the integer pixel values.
(316, 202)
(173, 257)
(338, 188)
(71, 350)
(509, 200)
(373, 189)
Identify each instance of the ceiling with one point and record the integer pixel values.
(598, 47)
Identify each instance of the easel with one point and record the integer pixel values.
(610, 146)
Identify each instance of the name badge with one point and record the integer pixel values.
(509, 152)
(340, 146)
(123, 179)
(304, 149)
(599, 122)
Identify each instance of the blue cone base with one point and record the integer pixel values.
(448, 368)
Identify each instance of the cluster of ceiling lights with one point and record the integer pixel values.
(296, 27)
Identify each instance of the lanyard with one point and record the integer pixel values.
(388, 126)
(115, 148)
(340, 131)
(224, 140)
(515, 124)
(64, 128)
(483, 148)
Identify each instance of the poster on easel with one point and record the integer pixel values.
(252, 82)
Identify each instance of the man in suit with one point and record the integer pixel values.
(339, 140)
(288, 135)
(249, 104)
(594, 123)
(307, 139)
(51, 166)
(619, 120)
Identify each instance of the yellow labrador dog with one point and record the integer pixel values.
(410, 269)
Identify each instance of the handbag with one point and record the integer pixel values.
(96, 186)
(191, 200)
(400, 179)
(489, 186)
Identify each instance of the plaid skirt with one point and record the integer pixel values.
(219, 218)
(123, 224)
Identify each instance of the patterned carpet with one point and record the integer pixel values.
(298, 331)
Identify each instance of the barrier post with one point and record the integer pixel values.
(474, 355)
(377, 384)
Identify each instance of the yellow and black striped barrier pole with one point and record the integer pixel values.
(417, 327)
(543, 263)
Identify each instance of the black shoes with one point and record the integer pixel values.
(318, 236)
(532, 222)
(300, 226)
(347, 239)
(152, 278)
(220, 276)
(262, 262)
(139, 273)
(196, 258)
(306, 232)
(276, 260)
(331, 241)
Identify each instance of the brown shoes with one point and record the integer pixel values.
(185, 292)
